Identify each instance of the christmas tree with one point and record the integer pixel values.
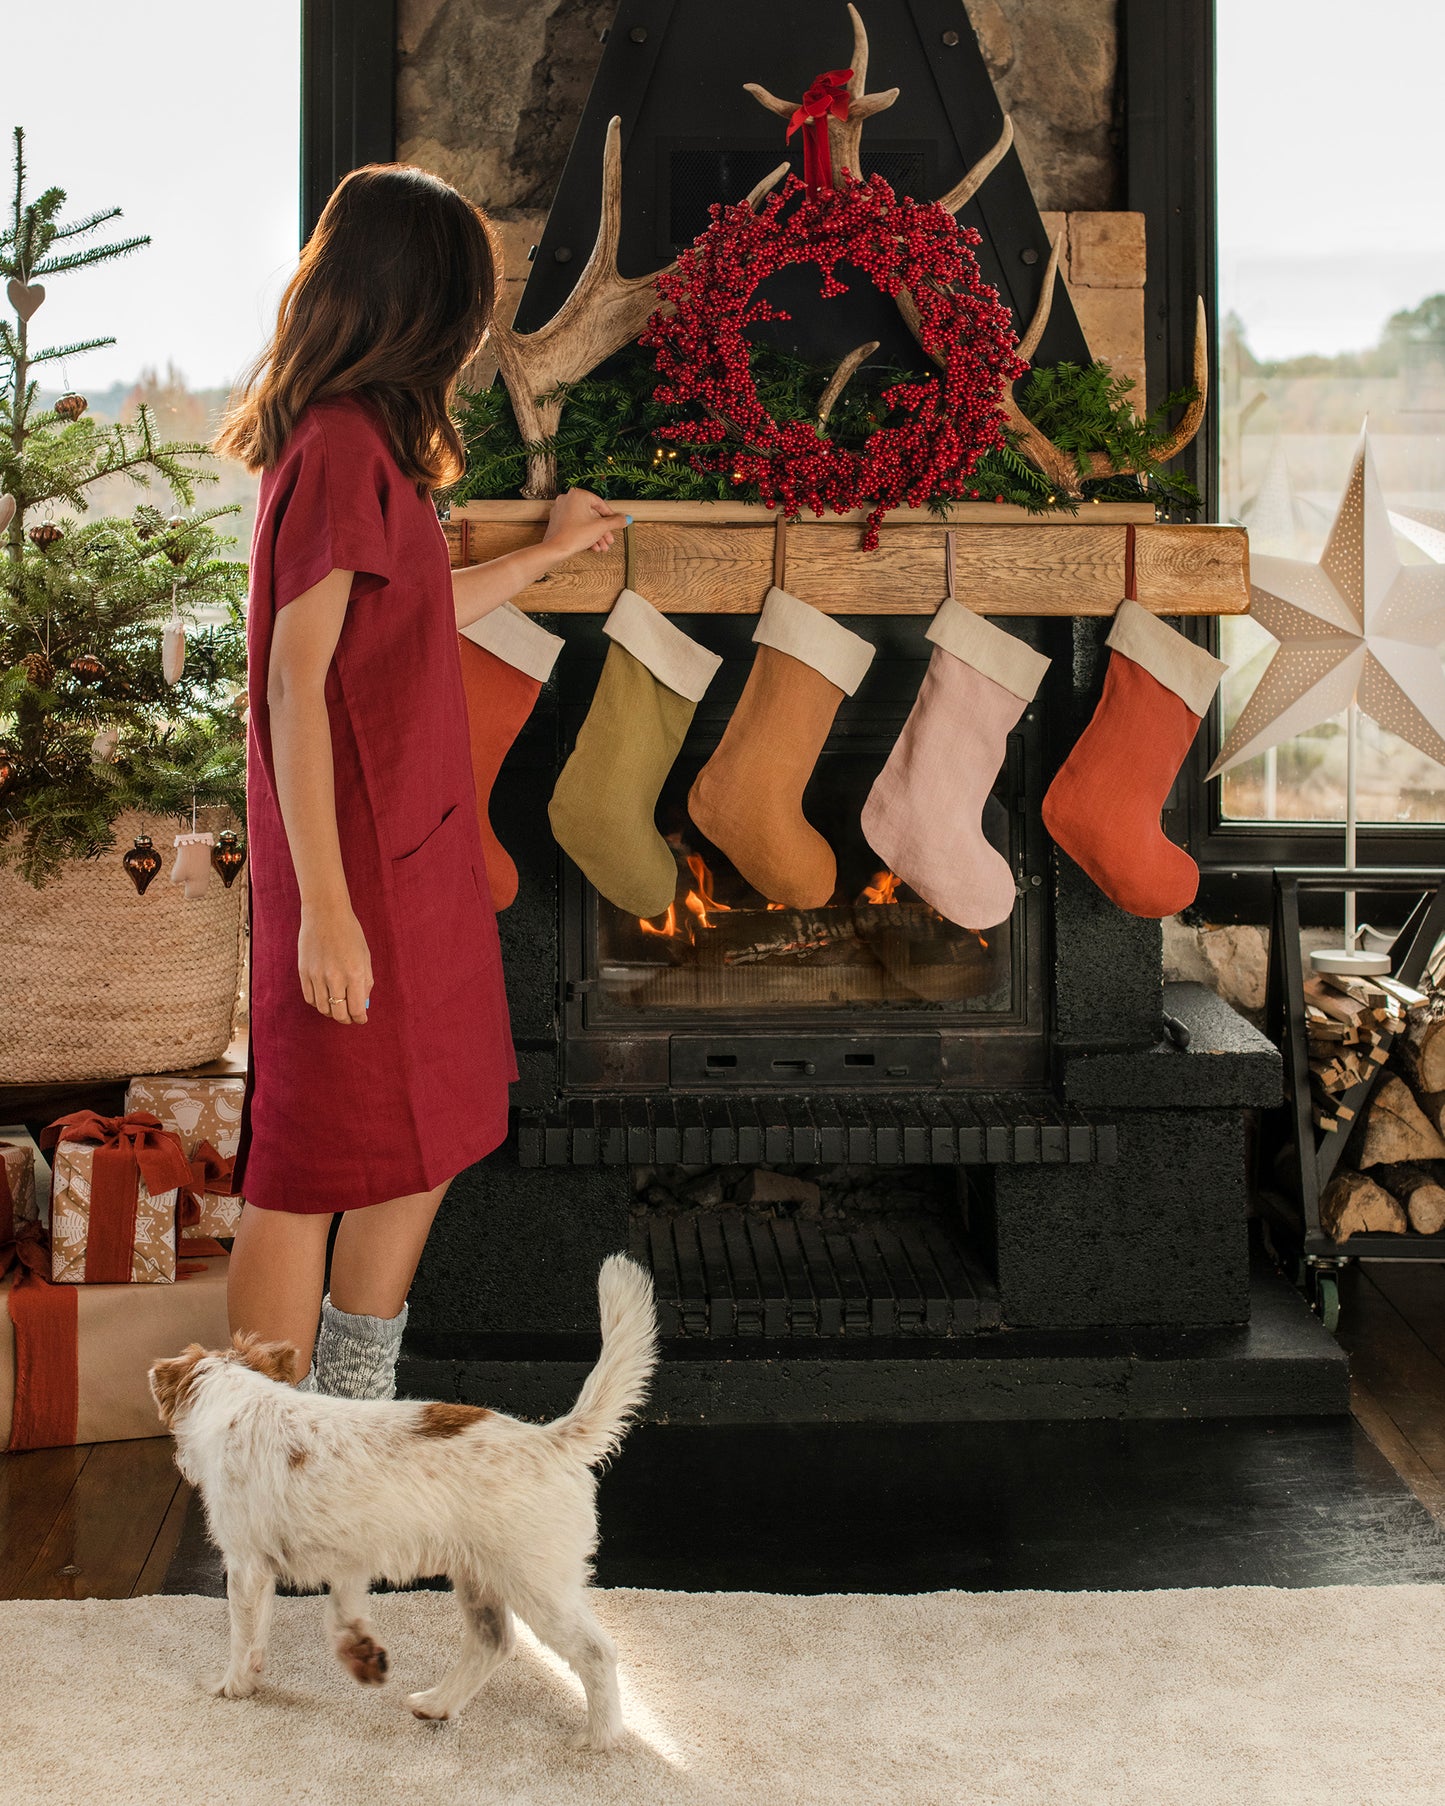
(96, 615)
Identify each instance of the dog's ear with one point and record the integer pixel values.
(171, 1382)
(277, 1360)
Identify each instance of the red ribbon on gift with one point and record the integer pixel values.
(127, 1150)
(46, 1411)
(827, 98)
(212, 1172)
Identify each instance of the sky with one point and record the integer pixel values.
(1330, 209)
(184, 115)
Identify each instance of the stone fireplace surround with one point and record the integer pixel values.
(1100, 1201)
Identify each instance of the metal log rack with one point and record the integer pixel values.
(1288, 1141)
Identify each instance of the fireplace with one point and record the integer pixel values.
(872, 990)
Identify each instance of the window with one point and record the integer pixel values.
(187, 118)
(1331, 268)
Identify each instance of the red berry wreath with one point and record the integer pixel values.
(949, 420)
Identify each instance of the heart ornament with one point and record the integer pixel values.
(24, 299)
(7, 511)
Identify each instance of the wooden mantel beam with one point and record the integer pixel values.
(718, 558)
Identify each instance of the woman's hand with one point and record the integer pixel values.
(581, 522)
(334, 963)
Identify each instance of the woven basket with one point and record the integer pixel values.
(99, 983)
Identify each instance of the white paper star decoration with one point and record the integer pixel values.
(1359, 626)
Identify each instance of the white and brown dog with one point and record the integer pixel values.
(318, 1491)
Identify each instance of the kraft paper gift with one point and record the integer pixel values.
(114, 1199)
(204, 1112)
(98, 1352)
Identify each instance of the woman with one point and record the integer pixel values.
(380, 1048)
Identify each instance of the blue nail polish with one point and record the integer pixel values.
(367, 1004)
(629, 520)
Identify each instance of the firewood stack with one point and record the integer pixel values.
(1392, 1177)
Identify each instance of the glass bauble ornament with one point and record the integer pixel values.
(142, 862)
(228, 856)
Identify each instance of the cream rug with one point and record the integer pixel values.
(1241, 1697)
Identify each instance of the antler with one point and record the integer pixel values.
(604, 312)
(838, 381)
(844, 135)
(964, 190)
(1069, 471)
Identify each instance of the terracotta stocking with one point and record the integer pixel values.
(1103, 807)
(506, 658)
(748, 798)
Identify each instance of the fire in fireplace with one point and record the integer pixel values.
(875, 960)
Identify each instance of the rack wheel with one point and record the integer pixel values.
(1327, 1300)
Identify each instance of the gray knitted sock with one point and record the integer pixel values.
(355, 1355)
(308, 1384)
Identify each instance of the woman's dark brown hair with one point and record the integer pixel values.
(392, 296)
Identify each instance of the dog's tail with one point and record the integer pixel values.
(593, 1429)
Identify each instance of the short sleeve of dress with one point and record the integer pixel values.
(329, 515)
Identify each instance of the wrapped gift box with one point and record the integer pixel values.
(115, 1199)
(204, 1112)
(31, 1199)
(117, 1331)
(17, 1180)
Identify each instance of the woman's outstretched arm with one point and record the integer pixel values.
(580, 522)
(332, 958)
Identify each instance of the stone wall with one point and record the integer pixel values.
(489, 93)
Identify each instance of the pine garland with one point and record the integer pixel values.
(608, 441)
(83, 603)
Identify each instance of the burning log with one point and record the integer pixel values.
(1354, 1205)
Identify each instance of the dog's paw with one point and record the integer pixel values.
(234, 1686)
(428, 1705)
(365, 1660)
(597, 1741)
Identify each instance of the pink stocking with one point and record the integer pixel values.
(924, 814)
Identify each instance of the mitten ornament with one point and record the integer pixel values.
(1103, 807)
(193, 863)
(506, 658)
(652, 680)
(924, 814)
(748, 798)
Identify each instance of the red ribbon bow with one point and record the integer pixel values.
(26, 1246)
(127, 1150)
(826, 98)
(210, 1172)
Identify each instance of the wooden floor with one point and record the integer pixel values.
(104, 1521)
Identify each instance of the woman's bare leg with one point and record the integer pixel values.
(376, 1253)
(277, 1275)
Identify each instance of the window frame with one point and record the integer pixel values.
(1167, 81)
(348, 95)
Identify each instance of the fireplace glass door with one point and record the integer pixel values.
(722, 948)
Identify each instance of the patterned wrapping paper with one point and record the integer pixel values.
(17, 1163)
(198, 1109)
(153, 1261)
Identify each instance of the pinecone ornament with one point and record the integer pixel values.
(87, 667)
(38, 668)
(45, 535)
(71, 407)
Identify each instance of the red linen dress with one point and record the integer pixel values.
(338, 1116)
